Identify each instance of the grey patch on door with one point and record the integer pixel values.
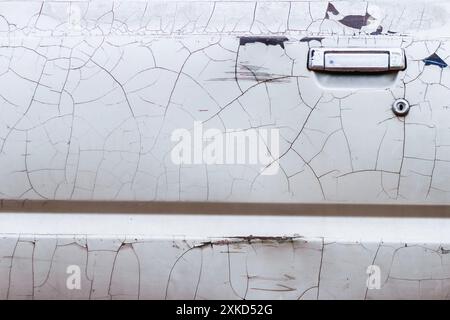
(268, 41)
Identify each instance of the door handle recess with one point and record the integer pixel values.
(356, 59)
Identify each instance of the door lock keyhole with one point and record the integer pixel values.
(400, 107)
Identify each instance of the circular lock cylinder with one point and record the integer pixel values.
(400, 107)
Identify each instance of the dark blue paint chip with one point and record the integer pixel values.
(435, 60)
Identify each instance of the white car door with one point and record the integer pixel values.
(137, 133)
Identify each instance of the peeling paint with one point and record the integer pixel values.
(150, 79)
(268, 41)
(435, 60)
(331, 9)
(356, 21)
(308, 39)
(90, 93)
(286, 268)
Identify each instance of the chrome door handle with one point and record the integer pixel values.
(356, 59)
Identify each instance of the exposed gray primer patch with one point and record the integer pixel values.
(268, 41)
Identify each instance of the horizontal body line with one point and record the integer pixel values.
(228, 208)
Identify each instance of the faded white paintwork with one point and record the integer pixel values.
(90, 92)
(206, 257)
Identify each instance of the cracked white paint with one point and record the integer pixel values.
(90, 92)
(88, 110)
(233, 268)
(125, 256)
